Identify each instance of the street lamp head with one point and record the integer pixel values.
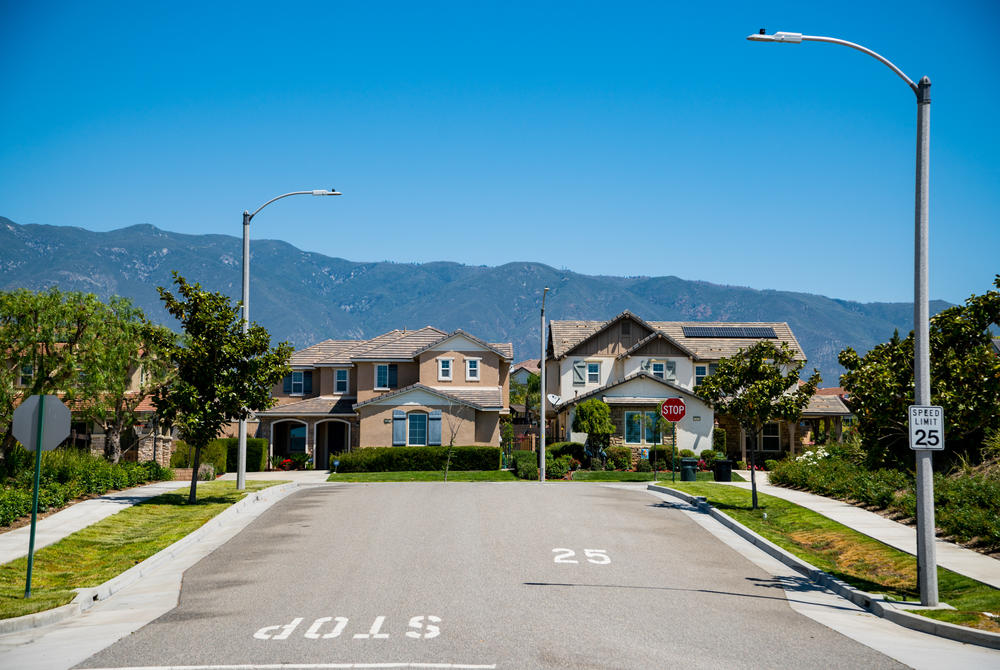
(332, 191)
(793, 38)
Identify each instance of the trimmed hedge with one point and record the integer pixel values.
(409, 459)
(619, 458)
(214, 452)
(67, 474)
(525, 464)
(572, 449)
(256, 453)
(719, 441)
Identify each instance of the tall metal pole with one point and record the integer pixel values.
(241, 468)
(926, 551)
(541, 396)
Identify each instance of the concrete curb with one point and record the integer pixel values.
(86, 598)
(871, 602)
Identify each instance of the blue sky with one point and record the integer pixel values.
(605, 138)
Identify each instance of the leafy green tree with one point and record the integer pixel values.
(528, 394)
(41, 335)
(221, 373)
(593, 417)
(965, 381)
(757, 385)
(127, 363)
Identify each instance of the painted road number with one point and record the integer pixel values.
(595, 556)
(326, 628)
(926, 427)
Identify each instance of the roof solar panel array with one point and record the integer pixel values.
(755, 332)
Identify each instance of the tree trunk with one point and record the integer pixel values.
(113, 443)
(195, 464)
(753, 470)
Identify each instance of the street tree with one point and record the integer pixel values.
(118, 370)
(41, 336)
(757, 385)
(965, 381)
(593, 417)
(221, 373)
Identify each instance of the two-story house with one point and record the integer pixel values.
(633, 365)
(420, 387)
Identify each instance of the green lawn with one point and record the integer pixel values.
(615, 476)
(426, 476)
(857, 559)
(108, 548)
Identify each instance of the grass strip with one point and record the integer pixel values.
(861, 561)
(615, 476)
(109, 547)
(425, 476)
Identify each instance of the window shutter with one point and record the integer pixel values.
(287, 384)
(434, 428)
(579, 373)
(712, 367)
(398, 428)
(393, 377)
(671, 371)
(307, 382)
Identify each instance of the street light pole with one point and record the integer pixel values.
(541, 396)
(926, 551)
(241, 468)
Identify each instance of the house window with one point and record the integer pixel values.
(300, 382)
(702, 371)
(771, 440)
(642, 428)
(297, 383)
(594, 373)
(416, 429)
(386, 376)
(340, 381)
(659, 369)
(444, 369)
(297, 439)
(27, 375)
(472, 369)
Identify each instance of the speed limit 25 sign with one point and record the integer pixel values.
(926, 427)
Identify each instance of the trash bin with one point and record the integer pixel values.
(723, 471)
(689, 466)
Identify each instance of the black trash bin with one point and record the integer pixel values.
(723, 471)
(689, 466)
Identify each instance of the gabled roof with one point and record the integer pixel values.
(576, 333)
(321, 406)
(506, 353)
(486, 399)
(637, 375)
(657, 335)
(825, 405)
(406, 345)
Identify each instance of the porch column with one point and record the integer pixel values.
(839, 423)
(791, 437)
(310, 440)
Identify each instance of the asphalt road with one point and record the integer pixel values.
(502, 575)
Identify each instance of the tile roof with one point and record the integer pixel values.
(314, 406)
(392, 345)
(489, 398)
(825, 405)
(530, 365)
(504, 349)
(833, 390)
(405, 345)
(566, 335)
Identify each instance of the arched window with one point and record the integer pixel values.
(416, 429)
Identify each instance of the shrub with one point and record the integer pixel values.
(686, 453)
(643, 466)
(710, 456)
(206, 472)
(556, 468)
(664, 457)
(741, 465)
(214, 452)
(256, 453)
(528, 470)
(770, 464)
(719, 440)
(619, 458)
(408, 459)
(574, 449)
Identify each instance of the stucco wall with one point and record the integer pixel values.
(471, 428)
(489, 368)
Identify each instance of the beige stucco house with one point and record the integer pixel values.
(420, 387)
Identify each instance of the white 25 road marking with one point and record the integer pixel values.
(326, 628)
(595, 556)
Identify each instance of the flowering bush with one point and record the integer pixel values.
(813, 457)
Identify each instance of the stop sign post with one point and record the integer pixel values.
(40, 423)
(673, 410)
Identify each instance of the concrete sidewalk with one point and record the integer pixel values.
(51, 529)
(958, 559)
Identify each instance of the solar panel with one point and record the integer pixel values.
(754, 332)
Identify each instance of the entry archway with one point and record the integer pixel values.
(330, 436)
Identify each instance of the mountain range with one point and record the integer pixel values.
(306, 297)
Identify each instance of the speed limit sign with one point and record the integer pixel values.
(926, 427)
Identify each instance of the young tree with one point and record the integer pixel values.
(757, 385)
(41, 335)
(221, 373)
(454, 419)
(129, 350)
(593, 417)
(965, 381)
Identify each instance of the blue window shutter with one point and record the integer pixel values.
(307, 382)
(393, 376)
(434, 428)
(579, 373)
(398, 428)
(287, 384)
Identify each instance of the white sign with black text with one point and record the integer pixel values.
(926, 427)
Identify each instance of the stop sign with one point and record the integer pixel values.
(672, 409)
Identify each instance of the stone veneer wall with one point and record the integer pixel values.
(618, 439)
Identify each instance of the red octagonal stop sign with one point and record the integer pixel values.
(672, 409)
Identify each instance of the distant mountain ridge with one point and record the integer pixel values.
(305, 297)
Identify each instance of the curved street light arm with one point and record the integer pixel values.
(885, 61)
(278, 198)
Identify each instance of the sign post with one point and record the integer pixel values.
(40, 424)
(926, 436)
(673, 410)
